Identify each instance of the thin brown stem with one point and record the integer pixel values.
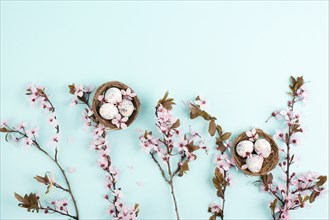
(160, 168)
(60, 187)
(61, 213)
(174, 198)
(69, 190)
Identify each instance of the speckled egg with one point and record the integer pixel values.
(254, 163)
(244, 148)
(108, 111)
(113, 95)
(126, 108)
(263, 147)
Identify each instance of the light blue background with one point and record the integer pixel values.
(238, 55)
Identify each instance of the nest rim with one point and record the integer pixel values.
(96, 104)
(268, 164)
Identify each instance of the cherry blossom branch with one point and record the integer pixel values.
(293, 194)
(37, 95)
(116, 209)
(172, 144)
(224, 162)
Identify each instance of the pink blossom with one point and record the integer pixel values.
(53, 120)
(302, 93)
(294, 140)
(119, 204)
(74, 102)
(101, 98)
(281, 135)
(111, 210)
(120, 121)
(61, 204)
(224, 162)
(88, 89)
(28, 141)
(4, 123)
(252, 134)
(21, 126)
(54, 140)
(103, 162)
(128, 94)
(227, 144)
(181, 145)
(214, 208)
(201, 103)
(78, 91)
(33, 133)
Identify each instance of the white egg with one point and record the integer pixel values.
(108, 111)
(126, 108)
(244, 148)
(263, 147)
(113, 95)
(254, 163)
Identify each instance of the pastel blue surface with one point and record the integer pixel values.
(238, 55)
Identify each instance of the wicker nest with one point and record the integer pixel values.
(97, 104)
(268, 164)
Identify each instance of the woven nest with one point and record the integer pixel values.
(268, 164)
(97, 104)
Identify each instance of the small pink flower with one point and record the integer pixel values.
(294, 140)
(32, 133)
(280, 135)
(252, 134)
(227, 144)
(4, 123)
(128, 94)
(54, 140)
(181, 145)
(74, 102)
(201, 103)
(111, 210)
(78, 91)
(28, 141)
(214, 208)
(21, 126)
(120, 121)
(88, 89)
(52, 120)
(101, 98)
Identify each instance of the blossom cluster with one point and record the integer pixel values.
(223, 158)
(28, 135)
(294, 190)
(174, 142)
(99, 143)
